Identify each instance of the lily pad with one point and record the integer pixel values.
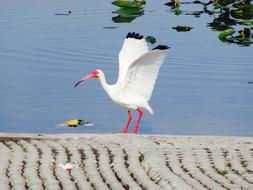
(126, 12)
(244, 37)
(246, 22)
(129, 4)
(222, 36)
(150, 39)
(181, 28)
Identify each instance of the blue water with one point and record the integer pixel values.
(203, 88)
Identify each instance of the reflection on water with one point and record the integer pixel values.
(127, 14)
(204, 87)
(128, 11)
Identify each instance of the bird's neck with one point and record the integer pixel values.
(103, 82)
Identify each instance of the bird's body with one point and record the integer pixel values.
(123, 98)
(138, 70)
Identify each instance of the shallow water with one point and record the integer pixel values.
(203, 87)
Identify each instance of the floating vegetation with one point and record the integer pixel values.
(244, 36)
(246, 22)
(127, 14)
(129, 4)
(224, 34)
(227, 14)
(129, 10)
(173, 4)
(181, 28)
(150, 39)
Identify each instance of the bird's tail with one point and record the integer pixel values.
(149, 109)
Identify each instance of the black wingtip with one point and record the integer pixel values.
(161, 47)
(134, 35)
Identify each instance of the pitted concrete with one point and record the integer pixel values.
(118, 161)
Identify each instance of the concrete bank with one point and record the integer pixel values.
(118, 161)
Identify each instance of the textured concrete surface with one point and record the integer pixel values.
(117, 161)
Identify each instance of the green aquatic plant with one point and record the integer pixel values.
(244, 36)
(150, 39)
(227, 14)
(173, 4)
(246, 32)
(177, 11)
(129, 4)
(128, 12)
(246, 22)
(224, 34)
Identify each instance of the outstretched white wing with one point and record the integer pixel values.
(133, 47)
(142, 73)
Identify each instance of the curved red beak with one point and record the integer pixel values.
(93, 74)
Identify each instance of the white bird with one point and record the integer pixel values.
(138, 70)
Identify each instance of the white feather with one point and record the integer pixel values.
(131, 50)
(141, 75)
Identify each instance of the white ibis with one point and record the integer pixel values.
(138, 70)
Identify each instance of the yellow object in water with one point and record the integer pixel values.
(71, 122)
(77, 122)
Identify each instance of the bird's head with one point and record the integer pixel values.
(95, 74)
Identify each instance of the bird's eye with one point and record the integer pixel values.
(95, 73)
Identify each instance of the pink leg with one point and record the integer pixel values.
(125, 130)
(136, 127)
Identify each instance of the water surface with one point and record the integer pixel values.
(203, 87)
